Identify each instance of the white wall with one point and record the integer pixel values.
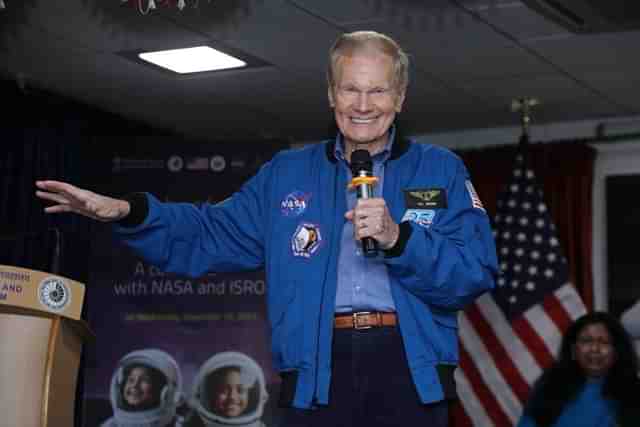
(613, 159)
(586, 129)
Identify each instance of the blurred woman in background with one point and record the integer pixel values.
(593, 382)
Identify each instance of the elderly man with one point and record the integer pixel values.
(358, 340)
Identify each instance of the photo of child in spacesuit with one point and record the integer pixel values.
(145, 391)
(229, 390)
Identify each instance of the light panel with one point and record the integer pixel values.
(192, 60)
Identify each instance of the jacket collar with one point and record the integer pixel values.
(399, 147)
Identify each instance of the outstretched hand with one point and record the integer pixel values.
(69, 198)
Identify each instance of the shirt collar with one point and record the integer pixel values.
(338, 151)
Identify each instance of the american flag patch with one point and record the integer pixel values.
(475, 200)
(198, 164)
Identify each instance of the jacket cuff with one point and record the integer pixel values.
(139, 209)
(397, 249)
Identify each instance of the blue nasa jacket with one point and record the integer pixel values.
(288, 219)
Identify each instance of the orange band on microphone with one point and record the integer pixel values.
(359, 180)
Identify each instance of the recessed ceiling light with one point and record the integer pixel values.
(192, 60)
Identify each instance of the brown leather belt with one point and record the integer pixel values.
(364, 320)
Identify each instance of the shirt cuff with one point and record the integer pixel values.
(138, 211)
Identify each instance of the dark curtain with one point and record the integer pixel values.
(41, 139)
(37, 145)
(565, 172)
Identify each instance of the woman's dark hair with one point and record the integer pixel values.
(562, 382)
(217, 379)
(158, 381)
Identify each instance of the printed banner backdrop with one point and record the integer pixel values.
(183, 328)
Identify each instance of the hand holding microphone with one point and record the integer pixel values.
(372, 222)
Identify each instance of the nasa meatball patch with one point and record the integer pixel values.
(294, 203)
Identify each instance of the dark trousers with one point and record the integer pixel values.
(371, 386)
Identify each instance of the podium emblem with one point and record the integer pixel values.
(54, 294)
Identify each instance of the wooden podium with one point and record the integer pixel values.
(41, 338)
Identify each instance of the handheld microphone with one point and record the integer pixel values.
(363, 181)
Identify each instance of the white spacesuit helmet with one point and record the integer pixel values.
(251, 375)
(170, 395)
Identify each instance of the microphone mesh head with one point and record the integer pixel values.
(361, 161)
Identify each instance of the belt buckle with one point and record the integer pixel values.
(356, 325)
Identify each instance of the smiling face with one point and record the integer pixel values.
(594, 350)
(230, 397)
(138, 388)
(365, 99)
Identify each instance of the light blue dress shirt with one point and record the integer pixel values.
(363, 283)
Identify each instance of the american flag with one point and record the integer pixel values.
(508, 337)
